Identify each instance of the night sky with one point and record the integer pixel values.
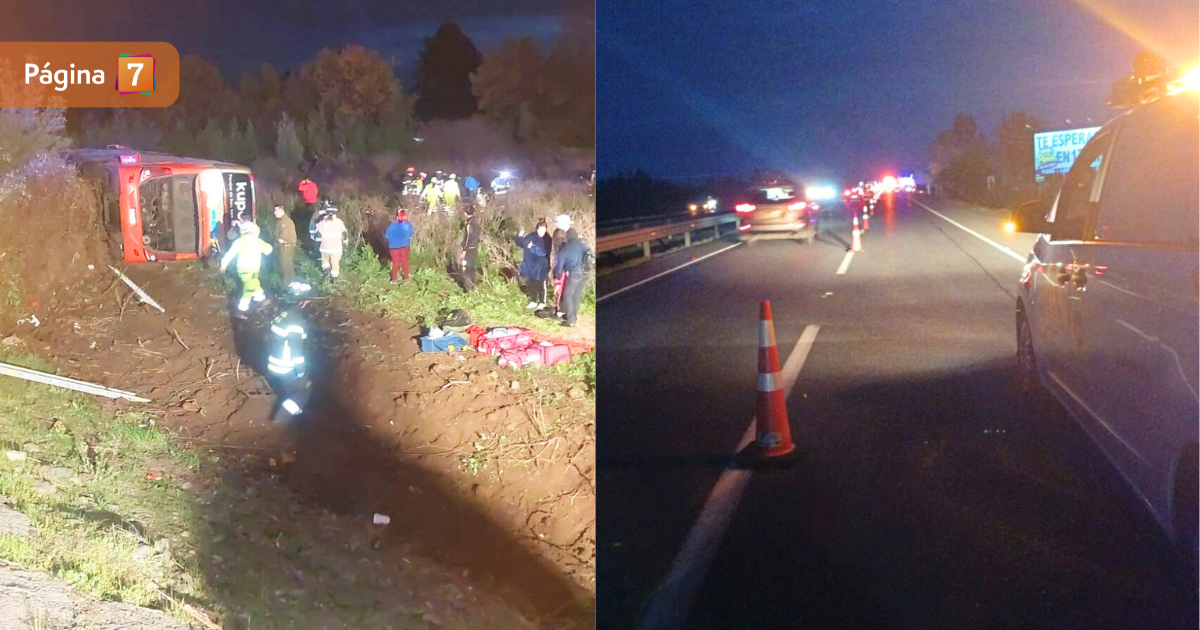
(850, 89)
(241, 34)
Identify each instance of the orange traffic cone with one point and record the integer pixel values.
(856, 239)
(773, 437)
(866, 220)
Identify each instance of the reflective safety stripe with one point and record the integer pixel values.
(290, 330)
(291, 407)
(766, 333)
(279, 369)
(766, 383)
(297, 360)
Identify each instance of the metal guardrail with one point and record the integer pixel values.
(644, 236)
(615, 226)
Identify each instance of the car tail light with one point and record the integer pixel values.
(743, 226)
(745, 207)
(799, 205)
(846, 193)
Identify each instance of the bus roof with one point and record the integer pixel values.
(145, 158)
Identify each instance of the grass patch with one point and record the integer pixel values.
(582, 369)
(496, 301)
(82, 483)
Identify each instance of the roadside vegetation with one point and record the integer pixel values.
(102, 490)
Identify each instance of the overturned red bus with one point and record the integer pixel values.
(160, 207)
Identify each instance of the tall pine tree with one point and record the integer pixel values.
(444, 75)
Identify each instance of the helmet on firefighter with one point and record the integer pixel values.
(295, 293)
(410, 170)
(249, 228)
(453, 176)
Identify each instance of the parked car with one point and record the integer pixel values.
(774, 210)
(1107, 305)
(160, 207)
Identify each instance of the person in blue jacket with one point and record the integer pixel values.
(535, 264)
(472, 186)
(399, 236)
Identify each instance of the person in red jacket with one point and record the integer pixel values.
(308, 190)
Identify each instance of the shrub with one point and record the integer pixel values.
(28, 131)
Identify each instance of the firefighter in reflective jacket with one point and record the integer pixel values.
(248, 250)
(451, 192)
(285, 360)
(432, 195)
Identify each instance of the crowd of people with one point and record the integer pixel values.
(559, 257)
(441, 192)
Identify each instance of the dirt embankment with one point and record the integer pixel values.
(475, 473)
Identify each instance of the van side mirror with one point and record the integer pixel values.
(1031, 217)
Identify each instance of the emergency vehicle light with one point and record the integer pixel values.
(130, 159)
(1190, 80)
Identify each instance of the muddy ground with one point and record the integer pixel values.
(492, 479)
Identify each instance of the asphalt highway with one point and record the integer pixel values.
(929, 494)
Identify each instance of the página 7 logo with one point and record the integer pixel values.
(62, 78)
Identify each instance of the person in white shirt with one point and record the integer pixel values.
(334, 237)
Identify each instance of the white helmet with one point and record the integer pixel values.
(249, 228)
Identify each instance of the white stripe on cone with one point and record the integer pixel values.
(766, 334)
(768, 382)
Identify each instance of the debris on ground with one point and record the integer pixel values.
(27, 374)
(142, 295)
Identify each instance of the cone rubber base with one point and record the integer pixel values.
(753, 457)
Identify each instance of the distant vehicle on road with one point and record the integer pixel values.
(160, 207)
(775, 210)
(1107, 305)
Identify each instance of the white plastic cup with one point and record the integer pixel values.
(382, 519)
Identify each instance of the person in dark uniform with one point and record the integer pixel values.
(286, 366)
(285, 239)
(572, 262)
(469, 255)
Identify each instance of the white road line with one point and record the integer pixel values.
(845, 263)
(1002, 248)
(659, 275)
(672, 600)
